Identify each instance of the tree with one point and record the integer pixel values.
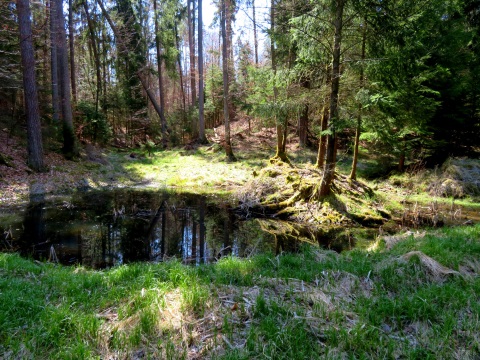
(255, 36)
(191, 47)
(226, 94)
(54, 63)
(329, 167)
(201, 90)
(72, 51)
(96, 56)
(34, 131)
(69, 149)
(134, 66)
(163, 120)
(280, 127)
(353, 172)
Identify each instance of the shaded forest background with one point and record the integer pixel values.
(398, 77)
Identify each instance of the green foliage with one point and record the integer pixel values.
(93, 123)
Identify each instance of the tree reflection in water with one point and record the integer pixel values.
(105, 228)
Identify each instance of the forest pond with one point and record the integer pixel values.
(106, 228)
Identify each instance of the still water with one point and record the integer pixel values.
(105, 228)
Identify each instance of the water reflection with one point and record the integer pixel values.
(103, 229)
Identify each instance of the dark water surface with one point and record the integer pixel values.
(105, 228)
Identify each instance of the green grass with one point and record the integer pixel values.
(200, 170)
(314, 304)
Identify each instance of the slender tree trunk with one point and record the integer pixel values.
(34, 130)
(353, 173)
(226, 94)
(303, 126)
(280, 152)
(96, 57)
(163, 120)
(105, 73)
(255, 39)
(303, 119)
(401, 160)
(201, 92)
(54, 62)
(322, 145)
(191, 47)
(69, 140)
(179, 60)
(72, 51)
(229, 9)
(329, 167)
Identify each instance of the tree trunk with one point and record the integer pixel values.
(401, 160)
(191, 47)
(303, 119)
(353, 173)
(280, 152)
(69, 140)
(179, 60)
(255, 39)
(201, 92)
(54, 62)
(226, 94)
(96, 57)
(34, 130)
(329, 167)
(72, 51)
(322, 145)
(303, 127)
(163, 120)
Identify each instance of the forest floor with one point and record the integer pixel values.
(199, 169)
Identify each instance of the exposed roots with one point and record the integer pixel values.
(292, 194)
(437, 270)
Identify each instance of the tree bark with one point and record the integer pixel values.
(226, 94)
(353, 173)
(163, 120)
(229, 9)
(201, 92)
(54, 63)
(280, 151)
(69, 140)
(34, 130)
(322, 144)
(191, 47)
(72, 51)
(303, 126)
(255, 39)
(329, 167)
(179, 60)
(303, 119)
(96, 57)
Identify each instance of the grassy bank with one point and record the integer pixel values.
(409, 297)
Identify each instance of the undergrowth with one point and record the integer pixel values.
(384, 303)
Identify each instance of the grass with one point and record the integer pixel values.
(314, 304)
